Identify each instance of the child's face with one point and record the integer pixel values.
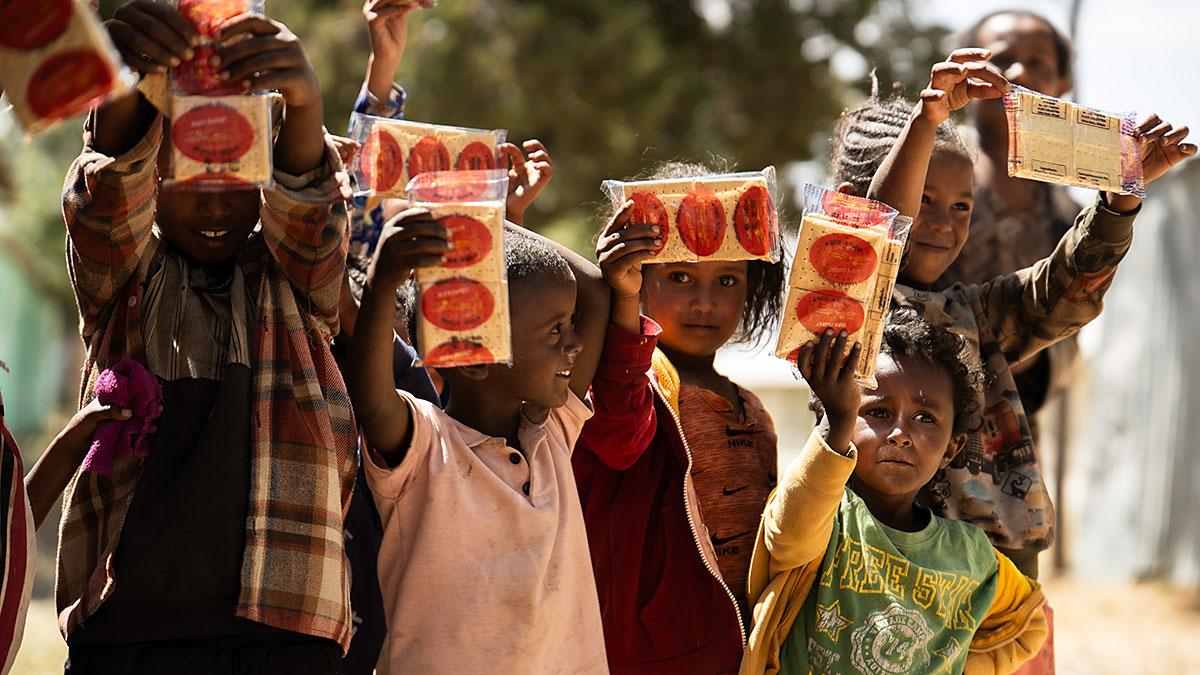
(1023, 49)
(941, 226)
(699, 305)
(208, 227)
(544, 342)
(904, 432)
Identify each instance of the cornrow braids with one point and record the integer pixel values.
(863, 136)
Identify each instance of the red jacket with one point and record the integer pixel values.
(664, 605)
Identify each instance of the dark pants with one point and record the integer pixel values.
(223, 656)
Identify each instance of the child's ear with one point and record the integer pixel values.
(956, 444)
(847, 188)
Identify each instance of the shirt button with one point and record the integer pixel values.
(132, 301)
(515, 458)
(525, 487)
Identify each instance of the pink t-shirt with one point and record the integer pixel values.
(484, 563)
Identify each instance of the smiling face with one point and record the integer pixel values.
(699, 305)
(941, 226)
(544, 341)
(905, 429)
(1024, 50)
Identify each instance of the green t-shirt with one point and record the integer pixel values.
(888, 601)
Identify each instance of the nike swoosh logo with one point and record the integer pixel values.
(721, 541)
(727, 491)
(730, 431)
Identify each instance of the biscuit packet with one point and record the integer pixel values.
(58, 61)
(1056, 141)
(220, 142)
(393, 152)
(719, 217)
(198, 77)
(848, 254)
(463, 311)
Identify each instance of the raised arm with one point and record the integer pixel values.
(410, 240)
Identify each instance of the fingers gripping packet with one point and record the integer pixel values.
(58, 61)
(463, 316)
(396, 151)
(847, 256)
(719, 217)
(1056, 141)
(220, 143)
(197, 76)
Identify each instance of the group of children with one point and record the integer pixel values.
(606, 503)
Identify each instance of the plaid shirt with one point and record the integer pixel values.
(995, 482)
(303, 433)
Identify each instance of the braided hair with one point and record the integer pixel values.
(863, 136)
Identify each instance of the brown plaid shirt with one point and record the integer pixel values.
(303, 434)
(995, 481)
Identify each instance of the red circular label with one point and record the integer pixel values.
(68, 83)
(429, 154)
(850, 209)
(476, 156)
(28, 25)
(213, 134)
(701, 222)
(754, 221)
(820, 310)
(457, 304)
(207, 15)
(199, 76)
(458, 353)
(843, 258)
(472, 240)
(380, 161)
(648, 209)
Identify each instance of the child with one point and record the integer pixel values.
(851, 574)
(484, 562)
(672, 582)
(225, 543)
(996, 482)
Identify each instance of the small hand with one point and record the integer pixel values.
(387, 28)
(526, 176)
(410, 240)
(264, 54)
(830, 376)
(622, 249)
(1162, 146)
(965, 75)
(152, 36)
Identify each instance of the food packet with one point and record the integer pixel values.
(848, 253)
(1056, 141)
(719, 217)
(220, 143)
(396, 151)
(58, 61)
(463, 311)
(198, 77)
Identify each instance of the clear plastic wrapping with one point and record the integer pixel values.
(848, 253)
(1056, 141)
(58, 61)
(463, 310)
(198, 77)
(220, 143)
(393, 152)
(719, 217)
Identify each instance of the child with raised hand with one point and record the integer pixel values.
(224, 545)
(481, 518)
(851, 574)
(916, 164)
(677, 462)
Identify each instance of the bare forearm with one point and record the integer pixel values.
(51, 474)
(900, 180)
(382, 414)
(381, 73)
(300, 147)
(626, 313)
(121, 123)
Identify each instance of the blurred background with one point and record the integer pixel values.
(613, 88)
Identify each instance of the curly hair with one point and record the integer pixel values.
(862, 137)
(1063, 50)
(765, 281)
(907, 334)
